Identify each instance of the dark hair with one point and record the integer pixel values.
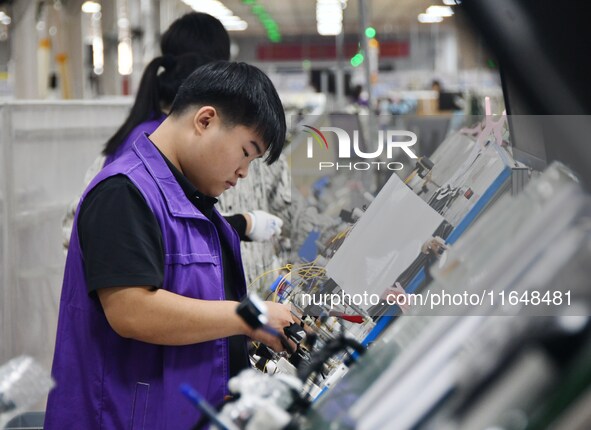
(242, 95)
(199, 33)
(194, 33)
(156, 90)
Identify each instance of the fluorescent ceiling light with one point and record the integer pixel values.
(429, 19)
(443, 11)
(329, 17)
(124, 58)
(450, 2)
(98, 57)
(231, 18)
(216, 8)
(91, 7)
(239, 25)
(329, 30)
(4, 19)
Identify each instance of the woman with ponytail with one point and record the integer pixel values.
(191, 41)
(158, 86)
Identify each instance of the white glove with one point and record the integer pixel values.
(263, 226)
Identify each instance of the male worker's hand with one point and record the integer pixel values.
(279, 316)
(263, 226)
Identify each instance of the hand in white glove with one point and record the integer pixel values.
(263, 226)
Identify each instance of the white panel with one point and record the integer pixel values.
(386, 239)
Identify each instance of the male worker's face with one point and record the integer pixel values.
(221, 156)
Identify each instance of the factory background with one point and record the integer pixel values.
(497, 94)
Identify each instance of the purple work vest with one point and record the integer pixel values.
(104, 381)
(144, 127)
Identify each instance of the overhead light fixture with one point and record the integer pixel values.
(91, 7)
(4, 19)
(452, 2)
(329, 17)
(229, 20)
(235, 26)
(98, 57)
(429, 19)
(442, 11)
(233, 23)
(124, 57)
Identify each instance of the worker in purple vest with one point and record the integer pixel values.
(153, 274)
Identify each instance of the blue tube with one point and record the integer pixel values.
(200, 403)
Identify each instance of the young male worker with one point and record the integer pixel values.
(153, 274)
